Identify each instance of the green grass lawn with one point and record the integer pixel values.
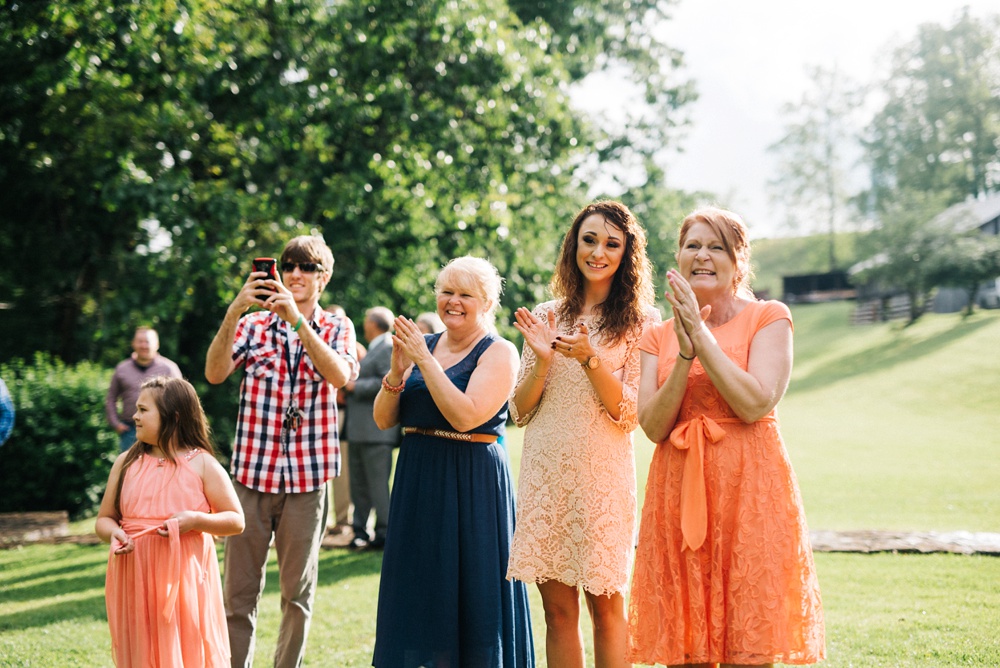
(881, 610)
(889, 428)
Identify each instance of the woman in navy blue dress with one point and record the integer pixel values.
(443, 599)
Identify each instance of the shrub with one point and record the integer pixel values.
(61, 450)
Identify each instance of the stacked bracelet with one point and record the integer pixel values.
(684, 357)
(391, 389)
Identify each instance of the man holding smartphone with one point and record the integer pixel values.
(293, 355)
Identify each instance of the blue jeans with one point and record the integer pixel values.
(126, 438)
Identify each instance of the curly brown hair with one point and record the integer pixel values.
(631, 292)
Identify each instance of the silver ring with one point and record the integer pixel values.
(571, 348)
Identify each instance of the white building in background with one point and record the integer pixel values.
(982, 213)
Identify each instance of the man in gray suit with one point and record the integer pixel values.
(370, 456)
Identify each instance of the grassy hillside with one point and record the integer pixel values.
(888, 428)
(896, 428)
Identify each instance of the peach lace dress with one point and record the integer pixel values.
(576, 501)
(164, 599)
(747, 593)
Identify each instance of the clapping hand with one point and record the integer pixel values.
(576, 345)
(540, 335)
(408, 345)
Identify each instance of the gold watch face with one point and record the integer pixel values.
(593, 362)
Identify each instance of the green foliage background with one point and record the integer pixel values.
(148, 150)
(61, 449)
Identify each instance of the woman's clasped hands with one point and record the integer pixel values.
(689, 317)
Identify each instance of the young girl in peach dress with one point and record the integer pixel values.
(724, 572)
(166, 497)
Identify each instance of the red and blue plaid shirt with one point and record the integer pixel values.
(267, 457)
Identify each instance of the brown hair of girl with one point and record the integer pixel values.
(182, 425)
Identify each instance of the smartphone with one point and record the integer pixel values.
(266, 265)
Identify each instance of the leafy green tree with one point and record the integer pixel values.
(908, 240)
(623, 38)
(661, 210)
(939, 128)
(813, 180)
(149, 150)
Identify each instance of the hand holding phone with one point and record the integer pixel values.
(266, 265)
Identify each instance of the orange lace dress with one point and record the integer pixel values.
(576, 497)
(747, 592)
(164, 599)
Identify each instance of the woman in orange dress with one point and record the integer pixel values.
(724, 571)
(166, 497)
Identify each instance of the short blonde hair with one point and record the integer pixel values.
(475, 276)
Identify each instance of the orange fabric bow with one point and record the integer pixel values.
(691, 436)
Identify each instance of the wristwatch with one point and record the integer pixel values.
(591, 362)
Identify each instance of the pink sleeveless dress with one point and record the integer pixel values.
(164, 599)
(724, 571)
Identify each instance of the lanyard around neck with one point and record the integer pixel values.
(293, 369)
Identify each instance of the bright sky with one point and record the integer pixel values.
(749, 58)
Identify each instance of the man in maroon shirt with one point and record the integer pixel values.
(145, 362)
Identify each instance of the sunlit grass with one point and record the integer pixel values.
(887, 427)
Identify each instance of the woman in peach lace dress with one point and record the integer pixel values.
(724, 572)
(166, 497)
(576, 392)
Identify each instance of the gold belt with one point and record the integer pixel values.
(452, 435)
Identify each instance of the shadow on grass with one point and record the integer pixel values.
(57, 572)
(60, 587)
(91, 608)
(338, 565)
(334, 566)
(885, 356)
(53, 572)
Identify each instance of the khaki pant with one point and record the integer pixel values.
(342, 484)
(298, 523)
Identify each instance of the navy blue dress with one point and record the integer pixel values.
(443, 599)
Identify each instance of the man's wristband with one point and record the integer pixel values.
(298, 323)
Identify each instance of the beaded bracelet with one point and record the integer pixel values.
(391, 389)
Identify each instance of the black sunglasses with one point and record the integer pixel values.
(306, 267)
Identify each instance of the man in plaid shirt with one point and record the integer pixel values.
(294, 356)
